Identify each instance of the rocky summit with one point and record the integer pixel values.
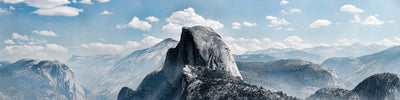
(199, 67)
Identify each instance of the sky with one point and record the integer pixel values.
(58, 29)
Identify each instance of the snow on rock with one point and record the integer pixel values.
(199, 67)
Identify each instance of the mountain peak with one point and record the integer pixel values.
(199, 46)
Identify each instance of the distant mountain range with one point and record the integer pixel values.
(296, 77)
(321, 53)
(355, 69)
(30, 79)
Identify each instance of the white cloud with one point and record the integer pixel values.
(51, 7)
(351, 9)
(390, 22)
(13, 1)
(152, 19)
(372, 20)
(23, 49)
(74, 1)
(124, 48)
(2, 11)
(242, 45)
(188, 18)
(292, 10)
(45, 32)
(279, 28)
(236, 25)
(289, 29)
(320, 22)
(11, 8)
(8, 41)
(284, 2)
(103, 1)
(59, 11)
(20, 37)
(86, 2)
(346, 42)
(389, 43)
(55, 47)
(246, 23)
(137, 24)
(105, 12)
(274, 21)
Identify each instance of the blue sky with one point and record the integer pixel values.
(46, 29)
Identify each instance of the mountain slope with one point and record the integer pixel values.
(88, 69)
(30, 79)
(333, 94)
(294, 76)
(356, 69)
(130, 70)
(253, 58)
(199, 67)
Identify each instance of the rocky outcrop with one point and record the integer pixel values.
(333, 94)
(385, 86)
(199, 67)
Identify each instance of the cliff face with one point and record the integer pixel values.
(385, 86)
(199, 67)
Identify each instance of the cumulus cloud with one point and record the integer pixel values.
(105, 12)
(13, 1)
(59, 11)
(320, 22)
(152, 19)
(126, 47)
(242, 45)
(351, 9)
(45, 32)
(8, 41)
(372, 20)
(289, 29)
(3, 11)
(55, 47)
(248, 24)
(291, 11)
(11, 8)
(86, 2)
(388, 42)
(103, 1)
(137, 24)
(20, 37)
(188, 18)
(51, 7)
(236, 25)
(275, 21)
(284, 2)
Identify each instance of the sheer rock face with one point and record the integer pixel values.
(333, 94)
(199, 67)
(38, 80)
(383, 86)
(199, 46)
